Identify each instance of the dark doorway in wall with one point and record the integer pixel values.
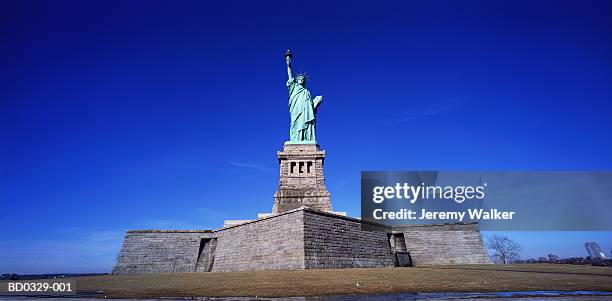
(397, 245)
(206, 255)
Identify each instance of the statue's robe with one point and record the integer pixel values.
(302, 108)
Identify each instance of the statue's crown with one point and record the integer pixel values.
(305, 75)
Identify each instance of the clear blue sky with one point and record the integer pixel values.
(123, 115)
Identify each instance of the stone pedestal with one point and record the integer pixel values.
(301, 182)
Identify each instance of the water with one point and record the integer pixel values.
(498, 296)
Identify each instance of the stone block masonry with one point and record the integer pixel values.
(159, 251)
(336, 242)
(301, 181)
(266, 244)
(456, 243)
(302, 238)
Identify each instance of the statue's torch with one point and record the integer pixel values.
(288, 56)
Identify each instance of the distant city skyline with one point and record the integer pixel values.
(594, 250)
(551, 243)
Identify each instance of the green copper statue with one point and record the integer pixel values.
(302, 106)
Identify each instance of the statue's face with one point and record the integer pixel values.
(301, 80)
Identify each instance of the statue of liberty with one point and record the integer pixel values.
(302, 106)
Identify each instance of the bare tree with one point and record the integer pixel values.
(505, 249)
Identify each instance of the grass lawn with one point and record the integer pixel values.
(464, 278)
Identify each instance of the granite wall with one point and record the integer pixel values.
(160, 251)
(301, 181)
(335, 242)
(298, 239)
(457, 243)
(272, 243)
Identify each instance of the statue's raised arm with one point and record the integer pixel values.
(288, 56)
